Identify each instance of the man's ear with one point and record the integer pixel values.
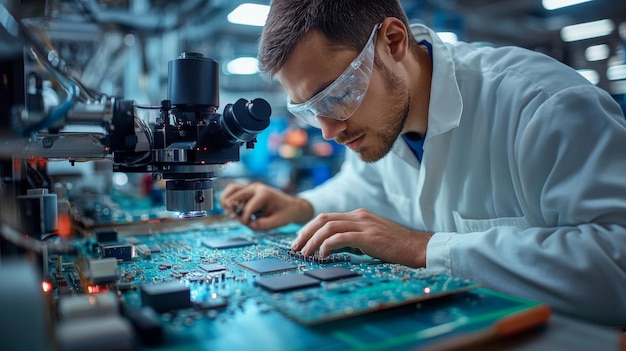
(393, 35)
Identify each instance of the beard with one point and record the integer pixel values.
(396, 104)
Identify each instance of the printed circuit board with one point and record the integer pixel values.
(221, 285)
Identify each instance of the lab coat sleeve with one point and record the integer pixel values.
(572, 173)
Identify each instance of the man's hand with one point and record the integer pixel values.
(374, 235)
(262, 207)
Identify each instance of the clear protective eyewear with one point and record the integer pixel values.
(342, 97)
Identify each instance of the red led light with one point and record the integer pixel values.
(46, 286)
(64, 225)
(427, 290)
(94, 289)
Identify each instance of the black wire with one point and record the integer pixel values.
(144, 107)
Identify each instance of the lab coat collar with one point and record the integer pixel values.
(444, 110)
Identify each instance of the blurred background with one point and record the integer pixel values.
(122, 48)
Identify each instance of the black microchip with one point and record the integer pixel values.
(287, 282)
(212, 267)
(227, 243)
(166, 296)
(268, 265)
(121, 251)
(331, 273)
(105, 234)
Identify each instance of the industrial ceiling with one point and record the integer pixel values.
(107, 38)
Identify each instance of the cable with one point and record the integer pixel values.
(55, 115)
(39, 247)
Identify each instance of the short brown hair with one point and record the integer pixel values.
(343, 22)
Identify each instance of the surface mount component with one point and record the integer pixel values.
(166, 296)
(143, 250)
(287, 282)
(121, 251)
(227, 243)
(268, 265)
(88, 306)
(102, 270)
(331, 273)
(107, 234)
(212, 267)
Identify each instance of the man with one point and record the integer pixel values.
(498, 165)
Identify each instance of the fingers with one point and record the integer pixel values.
(338, 241)
(252, 208)
(252, 202)
(229, 199)
(326, 232)
(234, 199)
(262, 207)
(307, 231)
(266, 222)
(231, 188)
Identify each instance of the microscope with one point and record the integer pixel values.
(186, 147)
(190, 141)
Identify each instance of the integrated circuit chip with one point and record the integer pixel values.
(227, 243)
(268, 265)
(119, 250)
(105, 234)
(287, 282)
(143, 250)
(331, 273)
(212, 267)
(166, 296)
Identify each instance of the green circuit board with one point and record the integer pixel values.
(213, 261)
(215, 282)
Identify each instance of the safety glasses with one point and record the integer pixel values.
(343, 96)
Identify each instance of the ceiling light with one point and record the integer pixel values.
(243, 66)
(448, 37)
(557, 4)
(616, 72)
(597, 52)
(590, 75)
(249, 14)
(587, 30)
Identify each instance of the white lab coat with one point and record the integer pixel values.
(523, 180)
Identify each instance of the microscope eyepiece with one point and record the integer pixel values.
(244, 120)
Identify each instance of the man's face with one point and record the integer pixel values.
(371, 130)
